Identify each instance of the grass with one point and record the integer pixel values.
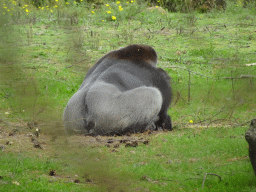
(44, 56)
(177, 160)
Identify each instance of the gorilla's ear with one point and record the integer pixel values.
(141, 53)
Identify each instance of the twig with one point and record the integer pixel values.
(174, 180)
(221, 110)
(76, 63)
(234, 172)
(191, 72)
(209, 174)
(121, 140)
(241, 77)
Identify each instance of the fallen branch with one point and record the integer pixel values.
(76, 63)
(192, 72)
(241, 77)
(250, 64)
(209, 174)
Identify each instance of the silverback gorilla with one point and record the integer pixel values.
(123, 92)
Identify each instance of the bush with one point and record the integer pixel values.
(190, 5)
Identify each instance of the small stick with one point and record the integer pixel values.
(209, 174)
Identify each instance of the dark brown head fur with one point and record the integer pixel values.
(136, 53)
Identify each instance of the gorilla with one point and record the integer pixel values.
(124, 92)
(250, 137)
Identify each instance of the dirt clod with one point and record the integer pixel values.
(132, 144)
(76, 181)
(52, 172)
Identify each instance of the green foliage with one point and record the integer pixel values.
(201, 6)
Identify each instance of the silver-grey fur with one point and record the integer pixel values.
(117, 95)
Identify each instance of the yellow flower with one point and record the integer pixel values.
(120, 8)
(56, 0)
(108, 12)
(67, 3)
(107, 5)
(51, 11)
(56, 6)
(92, 12)
(26, 10)
(132, 1)
(190, 121)
(8, 9)
(75, 2)
(127, 2)
(113, 18)
(156, 6)
(118, 2)
(42, 8)
(5, 7)
(81, 0)
(102, 20)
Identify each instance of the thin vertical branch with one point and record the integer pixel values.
(189, 84)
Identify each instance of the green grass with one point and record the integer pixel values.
(44, 56)
(177, 160)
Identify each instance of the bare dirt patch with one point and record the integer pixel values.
(21, 137)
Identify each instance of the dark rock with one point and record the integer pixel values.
(250, 137)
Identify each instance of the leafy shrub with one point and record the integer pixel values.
(190, 5)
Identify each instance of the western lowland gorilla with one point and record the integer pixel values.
(123, 92)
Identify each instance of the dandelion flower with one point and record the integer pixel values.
(120, 8)
(118, 2)
(108, 12)
(26, 10)
(132, 1)
(51, 11)
(92, 12)
(113, 18)
(56, 6)
(107, 5)
(56, 0)
(67, 3)
(190, 121)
